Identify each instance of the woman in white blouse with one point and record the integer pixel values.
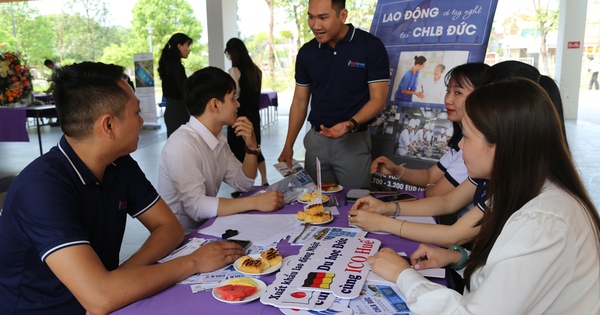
(538, 251)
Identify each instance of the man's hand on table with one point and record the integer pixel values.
(215, 255)
(269, 201)
(388, 264)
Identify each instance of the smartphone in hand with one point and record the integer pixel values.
(398, 197)
(244, 243)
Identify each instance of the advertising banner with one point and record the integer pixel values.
(425, 39)
(144, 82)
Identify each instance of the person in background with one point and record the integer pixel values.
(428, 135)
(593, 68)
(434, 87)
(538, 250)
(54, 67)
(59, 251)
(128, 80)
(450, 171)
(404, 142)
(172, 74)
(339, 59)
(410, 82)
(196, 158)
(248, 80)
(419, 135)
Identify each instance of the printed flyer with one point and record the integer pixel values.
(379, 299)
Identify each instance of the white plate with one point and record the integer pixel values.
(340, 187)
(324, 198)
(262, 288)
(237, 264)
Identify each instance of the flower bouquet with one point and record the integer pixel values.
(15, 81)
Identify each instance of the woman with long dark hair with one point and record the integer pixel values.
(172, 74)
(512, 68)
(248, 78)
(457, 195)
(538, 250)
(450, 171)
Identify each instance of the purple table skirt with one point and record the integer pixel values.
(179, 299)
(268, 99)
(13, 124)
(13, 121)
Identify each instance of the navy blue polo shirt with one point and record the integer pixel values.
(57, 202)
(480, 196)
(339, 77)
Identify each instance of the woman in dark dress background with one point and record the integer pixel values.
(172, 74)
(248, 78)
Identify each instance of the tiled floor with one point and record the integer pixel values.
(583, 135)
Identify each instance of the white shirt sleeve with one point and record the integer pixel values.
(234, 176)
(236, 74)
(184, 169)
(528, 270)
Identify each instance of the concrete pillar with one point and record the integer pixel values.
(221, 20)
(571, 28)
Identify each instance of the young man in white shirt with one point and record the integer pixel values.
(196, 158)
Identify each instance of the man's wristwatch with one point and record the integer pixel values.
(253, 152)
(355, 125)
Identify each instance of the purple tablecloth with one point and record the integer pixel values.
(268, 99)
(13, 124)
(179, 299)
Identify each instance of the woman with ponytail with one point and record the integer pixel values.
(538, 249)
(172, 74)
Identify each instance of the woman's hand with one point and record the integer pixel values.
(387, 264)
(371, 204)
(369, 221)
(427, 256)
(384, 166)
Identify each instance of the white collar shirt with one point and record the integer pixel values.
(545, 261)
(193, 164)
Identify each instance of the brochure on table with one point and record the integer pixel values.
(316, 232)
(298, 173)
(296, 182)
(338, 266)
(379, 299)
(374, 299)
(339, 307)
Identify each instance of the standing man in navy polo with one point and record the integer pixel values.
(64, 216)
(344, 72)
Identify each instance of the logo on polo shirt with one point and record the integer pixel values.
(356, 64)
(122, 205)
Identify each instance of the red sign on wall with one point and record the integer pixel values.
(573, 45)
